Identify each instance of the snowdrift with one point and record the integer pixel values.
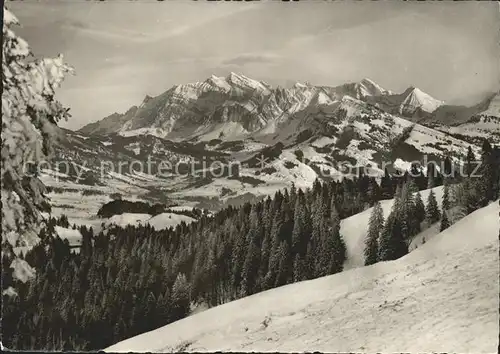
(443, 296)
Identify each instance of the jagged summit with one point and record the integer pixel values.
(146, 99)
(414, 97)
(299, 85)
(368, 87)
(242, 81)
(219, 82)
(199, 109)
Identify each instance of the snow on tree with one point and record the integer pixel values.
(29, 115)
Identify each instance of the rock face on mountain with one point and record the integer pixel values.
(237, 107)
(412, 103)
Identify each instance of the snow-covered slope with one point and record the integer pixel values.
(315, 144)
(470, 123)
(493, 106)
(354, 228)
(442, 297)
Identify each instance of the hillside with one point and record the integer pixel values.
(329, 147)
(353, 229)
(441, 297)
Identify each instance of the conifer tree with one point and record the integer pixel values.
(299, 227)
(274, 259)
(299, 272)
(375, 226)
(392, 244)
(250, 269)
(487, 181)
(419, 208)
(405, 212)
(284, 271)
(29, 114)
(470, 159)
(446, 197)
(339, 251)
(180, 297)
(386, 187)
(431, 175)
(412, 186)
(447, 168)
(432, 212)
(445, 223)
(418, 177)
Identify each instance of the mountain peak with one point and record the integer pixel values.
(299, 85)
(235, 77)
(416, 97)
(369, 81)
(368, 87)
(243, 81)
(147, 98)
(218, 82)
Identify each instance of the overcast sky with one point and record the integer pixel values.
(123, 50)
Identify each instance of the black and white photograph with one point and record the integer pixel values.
(250, 176)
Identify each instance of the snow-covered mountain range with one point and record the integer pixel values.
(236, 107)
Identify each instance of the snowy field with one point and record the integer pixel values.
(443, 297)
(159, 222)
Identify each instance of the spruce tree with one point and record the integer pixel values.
(431, 175)
(285, 263)
(446, 197)
(251, 263)
(373, 192)
(405, 212)
(250, 268)
(447, 169)
(413, 186)
(30, 114)
(419, 208)
(299, 273)
(485, 184)
(337, 244)
(299, 228)
(392, 244)
(375, 226)
(445, 223)
(386, 186)
(470, 162)
(339, 254)
(432, 212)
